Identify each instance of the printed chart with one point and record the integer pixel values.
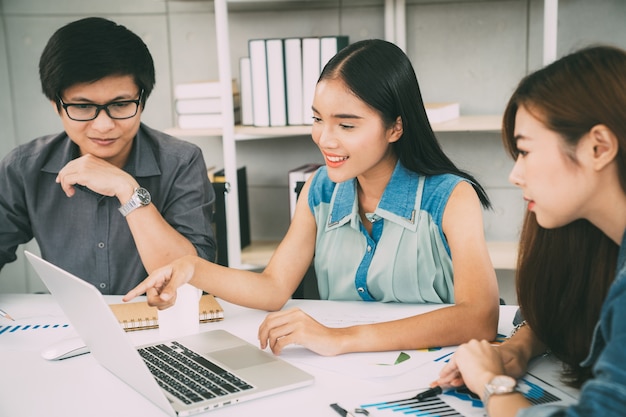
(26, 327)
(457, 402)
(34, 333)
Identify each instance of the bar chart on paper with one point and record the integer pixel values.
(459, 402)
(31, 327)
(34, 334)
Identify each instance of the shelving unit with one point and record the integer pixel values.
(251, 259)
(503, 253)
(483, 123)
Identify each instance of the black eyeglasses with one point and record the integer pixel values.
(118, 110)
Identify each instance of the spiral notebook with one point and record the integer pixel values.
(140, 316)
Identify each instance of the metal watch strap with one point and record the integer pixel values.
(141, 197)
(499, 385)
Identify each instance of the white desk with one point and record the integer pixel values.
(31, 386)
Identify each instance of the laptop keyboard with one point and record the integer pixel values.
(188, 376)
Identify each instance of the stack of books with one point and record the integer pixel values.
(278, 78)
(199, 105)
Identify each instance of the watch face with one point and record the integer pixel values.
(144, 196)
(499, 385)
(503, 382)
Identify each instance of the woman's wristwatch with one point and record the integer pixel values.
(499, 385)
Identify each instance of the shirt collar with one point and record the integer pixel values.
(142, 161)
(399, 203)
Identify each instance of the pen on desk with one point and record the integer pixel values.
(342, 411)
(431, 392)
(6, 315)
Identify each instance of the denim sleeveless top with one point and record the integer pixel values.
(405, 259)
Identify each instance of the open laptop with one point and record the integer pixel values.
(238, 370)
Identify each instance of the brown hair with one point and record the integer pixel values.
(563, 274)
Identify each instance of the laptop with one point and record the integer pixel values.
(230, 369)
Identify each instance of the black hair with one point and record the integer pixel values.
(381, 74)
(90, 49)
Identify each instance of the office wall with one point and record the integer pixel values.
(471, 51)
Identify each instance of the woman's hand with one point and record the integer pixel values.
(514, 359)
(160, 286)
(473, 364)
(294, 326)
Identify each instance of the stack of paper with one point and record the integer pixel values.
(199, 104)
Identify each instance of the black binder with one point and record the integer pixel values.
(219, 215)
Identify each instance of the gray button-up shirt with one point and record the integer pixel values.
(86, 234)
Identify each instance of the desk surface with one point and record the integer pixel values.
(32, 386)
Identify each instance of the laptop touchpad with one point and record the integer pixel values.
(242, 357)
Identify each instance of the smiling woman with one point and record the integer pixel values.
(389, 218)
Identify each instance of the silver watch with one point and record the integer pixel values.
(140, 198)
(499, 385)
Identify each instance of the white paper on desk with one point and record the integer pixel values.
(366, 364)
(183, 317)
(34, 333)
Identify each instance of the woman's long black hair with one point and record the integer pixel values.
(381, 74)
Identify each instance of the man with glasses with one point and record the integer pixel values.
(109, 199)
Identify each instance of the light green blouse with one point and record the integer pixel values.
(405, 259)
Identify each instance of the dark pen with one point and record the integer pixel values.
(342, 411)
(431, 392)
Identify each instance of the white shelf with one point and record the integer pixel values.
(395, 31)
(503, 254)
(478, 123)
(244, 132)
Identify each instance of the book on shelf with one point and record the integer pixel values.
(310, 75)
(205, 121)
(276, 82)
(296, 179)
(442, 112)
(260, 92)
(245, 79)
(141, 316)
(293, 81)
(329, 46)
(204, 105)
(279, 76)
(201, 89)
(221, 187)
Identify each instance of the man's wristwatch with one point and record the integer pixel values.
(141, 197)
(499, 385)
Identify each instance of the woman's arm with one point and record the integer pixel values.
(518, 350)
(268, 290)
(474, 314)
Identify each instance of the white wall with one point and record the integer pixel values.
(471, 51)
